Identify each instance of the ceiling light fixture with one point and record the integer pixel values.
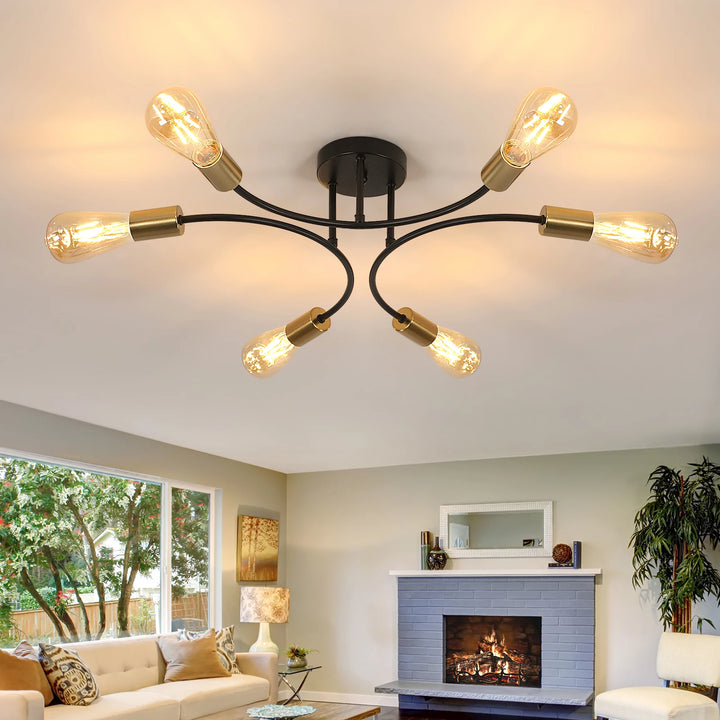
(361, 167)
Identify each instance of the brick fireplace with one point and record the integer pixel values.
(562, 600)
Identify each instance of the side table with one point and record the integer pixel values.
(284, 672)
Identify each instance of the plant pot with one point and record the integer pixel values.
(297, 662)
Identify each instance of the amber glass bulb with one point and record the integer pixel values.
(177, 119)
(455, 353)
(265, 354)
(75, 236)
(647, 236)
(544, 119)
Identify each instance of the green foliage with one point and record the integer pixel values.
(8, 629)
(672, 531)
(295, 651)
(190, 546)
(49, 594)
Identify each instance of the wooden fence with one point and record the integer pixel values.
(35, 625)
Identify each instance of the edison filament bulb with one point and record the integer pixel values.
(455, 353)
(647, 236)
(545, 118)
(176, 118)
(265, 354)
(75, 236)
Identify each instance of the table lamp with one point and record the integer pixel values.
(264, 605)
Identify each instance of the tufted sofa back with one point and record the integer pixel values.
(122, 664)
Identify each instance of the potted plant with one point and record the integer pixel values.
(297, 656)
(672, 531)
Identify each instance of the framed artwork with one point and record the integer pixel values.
(258, 542)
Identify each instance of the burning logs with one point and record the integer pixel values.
(495, 661)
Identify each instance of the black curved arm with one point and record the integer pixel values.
(353, 225)
(269, 222)
(497, 217)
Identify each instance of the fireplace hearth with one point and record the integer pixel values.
(493, 650)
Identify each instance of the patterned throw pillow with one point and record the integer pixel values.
(69, 677)
(224, 642)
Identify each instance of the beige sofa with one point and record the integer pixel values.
(129, 673)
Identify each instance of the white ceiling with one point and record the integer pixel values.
(583, 349)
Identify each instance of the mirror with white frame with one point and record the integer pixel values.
(521, 529)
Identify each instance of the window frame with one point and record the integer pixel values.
(166, 487)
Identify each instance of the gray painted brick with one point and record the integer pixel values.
(427, 627)
(489, 594)
(451, 602)
(575, 630)
(515, 602)
(507, 585)
(499, 608)
(559, 664)
(544, 584)
(555, 647)
(414, 651)
(584, 665)
(577, 621)
(524, 594)
(426, 635)
(425, 642)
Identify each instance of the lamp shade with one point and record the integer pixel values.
(264, 604)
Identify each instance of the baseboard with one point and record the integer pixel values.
(384, 699)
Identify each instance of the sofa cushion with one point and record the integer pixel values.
(119, 706)
(191, 659)
(654, 703)
(204, 697)
(224, 639)
(69, 677)
(22, 670)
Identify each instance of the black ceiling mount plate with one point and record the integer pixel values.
(385, 164)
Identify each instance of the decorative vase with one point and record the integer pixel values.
(437, 557)
(297, 662)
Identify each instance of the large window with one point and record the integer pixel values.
(85, 554)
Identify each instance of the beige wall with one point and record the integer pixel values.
(246, 489)
(347, 529)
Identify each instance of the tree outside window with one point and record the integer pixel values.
(82, 550)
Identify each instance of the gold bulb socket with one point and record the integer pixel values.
(416, 327)
(498, 174)
(156, 223)
(224, 174)
(302, 330)
(567, 223)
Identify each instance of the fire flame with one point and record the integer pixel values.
(497, 645)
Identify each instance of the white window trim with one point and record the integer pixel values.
(166, 485)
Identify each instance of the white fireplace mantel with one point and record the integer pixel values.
(501, 572)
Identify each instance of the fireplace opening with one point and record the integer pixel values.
(493, 650)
